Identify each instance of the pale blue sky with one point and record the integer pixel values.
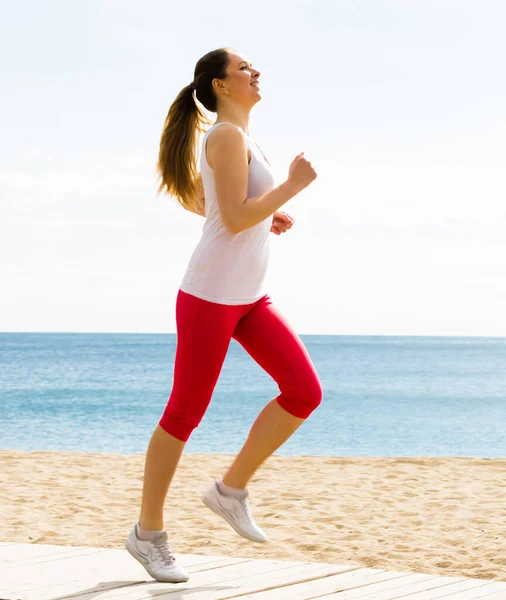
(399, 105)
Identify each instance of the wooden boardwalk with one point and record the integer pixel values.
(46, 572)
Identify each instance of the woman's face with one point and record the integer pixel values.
(242, 80)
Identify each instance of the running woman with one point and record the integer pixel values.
(222, 296)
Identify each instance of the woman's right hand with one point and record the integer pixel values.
(301, 173)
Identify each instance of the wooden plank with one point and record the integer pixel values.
(360, 578)
(254, 583)
(59, 558)
(56, 553)
(9, 554)
(95, 571)
(204, 563)
(227, 582)
(83, 569)
(111, 573)
(449, 588)
(456, 590)
(479, 592)
(495, 595)
(83, 573)
(389, 589)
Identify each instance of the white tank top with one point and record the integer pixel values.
(230, 268)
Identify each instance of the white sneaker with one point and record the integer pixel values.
(156, 557)
(236, 511)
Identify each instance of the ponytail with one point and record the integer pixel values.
(185, 122)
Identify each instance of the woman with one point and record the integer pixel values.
(222, 297)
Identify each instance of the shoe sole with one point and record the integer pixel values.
(139, 560)
(224, 516)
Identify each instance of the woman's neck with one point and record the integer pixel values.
(236, 117)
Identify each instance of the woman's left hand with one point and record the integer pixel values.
(281, 222)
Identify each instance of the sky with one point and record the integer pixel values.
(399, 105)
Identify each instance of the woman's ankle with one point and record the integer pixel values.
(150, 524)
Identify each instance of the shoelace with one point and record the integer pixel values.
(246, 508)
(164, 550)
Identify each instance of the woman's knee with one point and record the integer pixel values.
(302, 400)
(181, 417)
(177, 425)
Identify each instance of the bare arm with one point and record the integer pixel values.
(227, 151)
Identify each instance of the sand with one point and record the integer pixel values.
(445, 516)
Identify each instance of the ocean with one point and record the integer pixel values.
(382, 395)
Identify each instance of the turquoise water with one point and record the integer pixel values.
(383, 396)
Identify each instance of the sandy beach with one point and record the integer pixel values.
(444, 516)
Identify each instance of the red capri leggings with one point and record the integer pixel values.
(204, 331)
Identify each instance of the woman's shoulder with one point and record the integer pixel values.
(224, 129)
(225, 137)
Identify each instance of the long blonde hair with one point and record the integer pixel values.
(177, 160)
